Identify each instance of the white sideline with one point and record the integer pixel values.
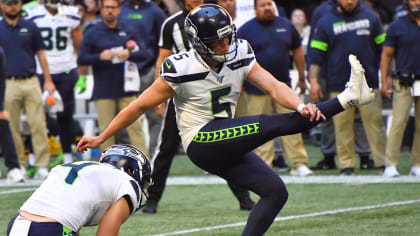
(284, 218)
(315, 179)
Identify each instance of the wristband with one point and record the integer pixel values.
(300, 107)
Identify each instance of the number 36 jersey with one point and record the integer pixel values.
(203, 94)
(56, 32)
(78, 194)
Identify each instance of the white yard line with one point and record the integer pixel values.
(19, 190)
(284, 218)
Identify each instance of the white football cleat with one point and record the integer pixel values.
(391, 171)
(301, 171)
(415, 171)
(357, 91)
(15, 176)
(41, 173)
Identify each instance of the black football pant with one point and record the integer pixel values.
(64, 83)
(224, 147)
(39, 228)
(165, 153)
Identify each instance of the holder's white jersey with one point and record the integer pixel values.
(56, 31)
(78, 194)
(203, 94)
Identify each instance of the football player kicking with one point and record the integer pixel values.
(205, 83)
(86, 193)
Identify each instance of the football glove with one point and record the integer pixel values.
(81, 84)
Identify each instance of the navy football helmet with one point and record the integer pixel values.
(208, 23)
(132, 161)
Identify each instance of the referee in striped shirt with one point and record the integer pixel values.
(173, 39)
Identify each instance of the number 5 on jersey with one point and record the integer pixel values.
(216, 106)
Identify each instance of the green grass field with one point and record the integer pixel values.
(187, 207)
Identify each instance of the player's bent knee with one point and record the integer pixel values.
(275, 188)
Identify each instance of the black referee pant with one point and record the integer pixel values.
(8, 146)
(165, 153)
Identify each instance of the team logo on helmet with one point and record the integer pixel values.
(132, 161)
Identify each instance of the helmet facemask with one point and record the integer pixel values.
(201, 44)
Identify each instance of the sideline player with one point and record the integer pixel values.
(61, 33)
(205, 83)
(86, 193)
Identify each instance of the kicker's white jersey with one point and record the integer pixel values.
(56, 31)
(203, 94)
(78, 194)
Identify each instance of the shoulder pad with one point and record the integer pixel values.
(35, 12)
(70, 11)
(179, 68)
(176, 63)
(245, 46)
(168, 66)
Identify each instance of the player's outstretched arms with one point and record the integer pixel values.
(157, 93)
(282, 93)
(163, 54)
(113, 218)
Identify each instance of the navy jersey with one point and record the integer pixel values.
(146, 20)
(20, 44)
(404, 36)
(338, 35)
(272, 45)
(108, 76)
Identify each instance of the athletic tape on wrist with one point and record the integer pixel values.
(300, 107)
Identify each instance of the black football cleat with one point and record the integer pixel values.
(347, 172)
(280, 164)
(150, 207)
(366, 163)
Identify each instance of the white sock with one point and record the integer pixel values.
(31, 159)
(346, 101)
(67, 158)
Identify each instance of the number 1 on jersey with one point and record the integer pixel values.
(73, 174)
(216, 106)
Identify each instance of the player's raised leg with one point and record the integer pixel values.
(244, 134)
